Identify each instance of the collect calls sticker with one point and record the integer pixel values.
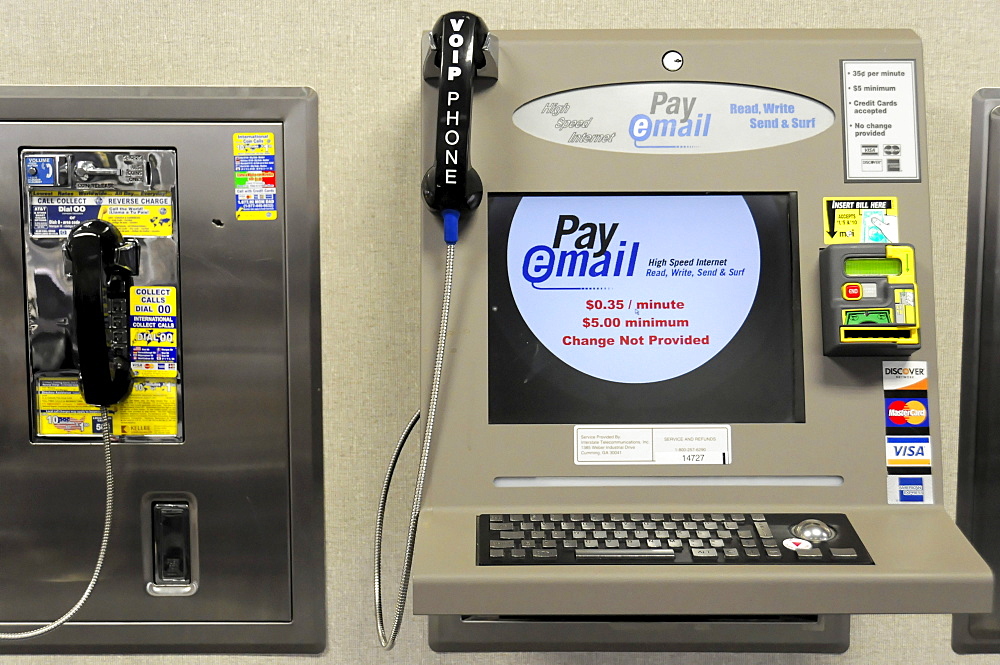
(634, 289)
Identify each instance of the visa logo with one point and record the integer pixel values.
(908, 451)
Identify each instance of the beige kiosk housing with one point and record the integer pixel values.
(818, 134)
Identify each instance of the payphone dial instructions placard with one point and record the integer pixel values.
(678, 329)
(134, 191)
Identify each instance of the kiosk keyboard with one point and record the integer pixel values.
(662, 538)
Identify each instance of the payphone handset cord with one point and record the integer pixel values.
(451, 188)
(102, 265)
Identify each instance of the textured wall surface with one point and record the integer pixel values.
(363, 60)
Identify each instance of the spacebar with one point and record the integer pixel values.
(624, 555)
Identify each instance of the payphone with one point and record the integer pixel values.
(159, 296)
(688, 399)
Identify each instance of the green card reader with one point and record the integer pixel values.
(870, 303)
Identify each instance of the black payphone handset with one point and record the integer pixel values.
(102, 264)
(458, 61)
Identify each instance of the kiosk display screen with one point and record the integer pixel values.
(644, 308)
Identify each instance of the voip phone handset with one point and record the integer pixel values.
(102, 264)
(458, 56)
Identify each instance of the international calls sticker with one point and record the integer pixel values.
(634, 289)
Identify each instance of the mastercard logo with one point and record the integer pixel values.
(906, 412)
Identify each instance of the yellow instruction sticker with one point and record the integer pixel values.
(860, 219)
(149, 410)
(153, 330)
(135, 214)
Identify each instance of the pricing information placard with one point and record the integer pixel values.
(880, 120)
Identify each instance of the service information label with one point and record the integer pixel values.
(652, 444)
(255, 176)
(55, 214)
(861, 219)
(634, 289)
(880, 120)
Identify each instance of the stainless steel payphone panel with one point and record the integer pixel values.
(217, 536)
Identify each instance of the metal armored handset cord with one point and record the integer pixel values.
(388, 639)
(109, 501)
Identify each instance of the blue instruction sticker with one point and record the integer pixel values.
(40, 170)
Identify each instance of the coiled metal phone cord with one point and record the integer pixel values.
(109, 501)
(388, 640)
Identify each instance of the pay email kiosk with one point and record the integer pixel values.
(689, 389)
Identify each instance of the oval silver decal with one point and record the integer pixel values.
(673, 118)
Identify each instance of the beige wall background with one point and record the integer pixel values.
(363, 60)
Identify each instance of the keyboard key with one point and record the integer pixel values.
(704, 553)
(636, 517)
(611, 543)
(748, 542)
(631, 543)
(745, 533)
(544, 554)
(677, 517)
(526, 526)
(620, 534)
(691, 526)
(702, 533)
(588, 526)
(737, 517)
(711, 525)
(538, 534)
(628, 525)
(769, 542)
(501, 544)
(641, 533)
(549, 544)
(559, 535)
(649, 526)
(624, 555)
(670, 525)
(657, 517)
(731, 553)
(517, 554)
(763, 529)
(580, 534)
(528, 544)
(547, 526)
(696, 542)
(698, 517)
(675, 543)
(618, 517)
(661, 534)
(725, 534)
(536, 517)
(843, 553)
(567, 526)
(730, 525)
(654, 543)
(757, 517)
(496, 554)
(608, 526)
(576, 517)
(718, 517)
(600, 534)
(501, 526)
(556, 517)
(496, 518)
(570, 544)
(683, 534)
(752, 552)
(516, 518)
(590, 543)
(716, 542)
(772, 552)
(810, 555)
(597, 517)
(512, 535)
